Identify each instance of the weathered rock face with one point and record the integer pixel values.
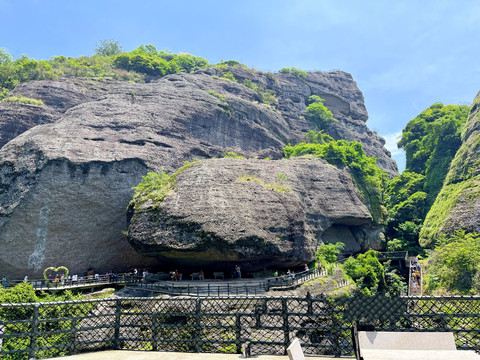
(457, 206)
(57, 95)
(217, 218)
(99, 138)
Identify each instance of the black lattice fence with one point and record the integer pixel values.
(265, 324)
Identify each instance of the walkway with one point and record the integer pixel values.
(151, 355)
(226, 287)
(415, 278)
(81, 283)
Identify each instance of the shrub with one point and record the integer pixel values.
(317, 113)
(294, 71)
(327, 253)
(155, 186)
(229, 76)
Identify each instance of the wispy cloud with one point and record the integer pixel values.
(391, 141)
(398, 155)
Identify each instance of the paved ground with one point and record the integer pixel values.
(151, 355)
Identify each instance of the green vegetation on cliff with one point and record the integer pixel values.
(155, 186)
(368, 177)
(463, 193)
(431, 141)
(455, 265)
(317, 113)
(108, 61)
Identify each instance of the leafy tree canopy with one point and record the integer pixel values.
(108, 47)
(366, 271)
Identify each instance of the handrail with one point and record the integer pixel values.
(205, 288)
(82, 281)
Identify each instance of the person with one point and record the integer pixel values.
(305, 267)
(292, 274)
(4, 282)
(25, 279)
(175, 275)
(201, 276)
(74, 279)
(289, 274)
(275, 273)
(239, 272)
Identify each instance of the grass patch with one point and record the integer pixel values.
(155, 186)
(23, 100)
(280, 188)
(232, 155)
(217, 95)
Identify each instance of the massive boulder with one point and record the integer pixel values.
(256, 213)
(65, 185)
(457, 206)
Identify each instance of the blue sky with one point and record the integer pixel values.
(404, 55)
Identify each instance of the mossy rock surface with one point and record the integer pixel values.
(457, 206)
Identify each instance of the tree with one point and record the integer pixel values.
(317, 113)
(108, 47)
(367, 272)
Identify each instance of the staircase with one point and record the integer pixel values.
(415, 278)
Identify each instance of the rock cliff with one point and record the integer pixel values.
(257, 213)
(66, 182)
(457, 206)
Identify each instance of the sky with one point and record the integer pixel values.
(404, 55)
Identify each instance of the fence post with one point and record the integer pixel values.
(118, 313)
(155, 332)
(286, 332)
(238, 332)
(73, 341)
(336, 329)
(198, 325)
(34, 331)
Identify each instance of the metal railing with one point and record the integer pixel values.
(227, 288)
(82, 281)
(203, 288)
(223, 325)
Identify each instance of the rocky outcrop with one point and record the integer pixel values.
(256, 213)
(65, 185)
(457, 206)
(57, 95)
